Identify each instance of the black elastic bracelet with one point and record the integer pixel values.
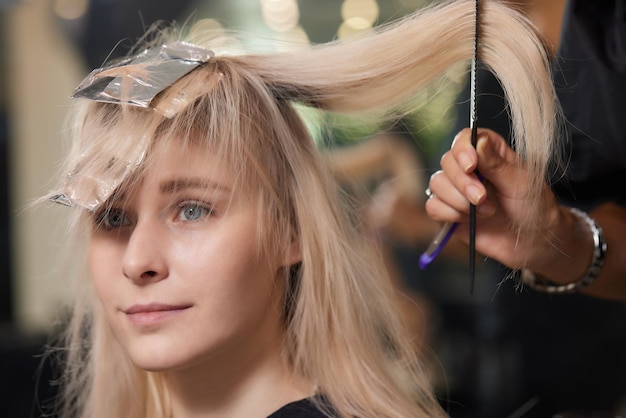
(542, 284)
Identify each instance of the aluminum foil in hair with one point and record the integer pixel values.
(134, 81)
(137, 80)
(87, 188)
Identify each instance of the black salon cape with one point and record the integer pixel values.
(303, 408)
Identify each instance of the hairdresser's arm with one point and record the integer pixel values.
(558, 246)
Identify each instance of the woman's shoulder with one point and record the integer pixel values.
(304, 408)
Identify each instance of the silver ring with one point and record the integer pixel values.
(429, 194)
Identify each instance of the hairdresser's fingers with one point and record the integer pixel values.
(439, 211)
(508, 178)
(444, 201)
(447, 204)
(498, 163)
(459, 169)
(444, 191)
(463, 151)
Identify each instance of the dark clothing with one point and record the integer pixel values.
(565, 352)
(590, 76)
(304, 408)
(574, 346)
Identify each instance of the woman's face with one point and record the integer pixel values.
(176, 266)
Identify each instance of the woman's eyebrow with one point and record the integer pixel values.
(177, 185)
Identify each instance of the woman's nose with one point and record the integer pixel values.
(144, 259)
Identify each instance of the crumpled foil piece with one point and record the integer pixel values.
(164, 66)
(135, 81)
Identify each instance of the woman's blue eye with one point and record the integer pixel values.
(193, 212)
(112, 219)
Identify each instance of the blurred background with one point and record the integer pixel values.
(48, 46)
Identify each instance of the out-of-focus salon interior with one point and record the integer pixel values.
(48, 46)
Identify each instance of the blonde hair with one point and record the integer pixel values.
(341, 325)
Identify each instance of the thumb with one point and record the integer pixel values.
(497, 162)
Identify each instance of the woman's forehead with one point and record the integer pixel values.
(175, 157)
(172, 169)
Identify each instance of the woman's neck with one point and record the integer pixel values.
(254, 387)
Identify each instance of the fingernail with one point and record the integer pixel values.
(465, 161)
(474, 193)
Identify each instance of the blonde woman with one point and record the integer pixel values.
(223, 276)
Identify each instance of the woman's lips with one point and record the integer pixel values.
(153, 313)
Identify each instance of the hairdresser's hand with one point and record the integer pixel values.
(556, 245)
(502, 204)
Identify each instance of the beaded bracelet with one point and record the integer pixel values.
(539, 283)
